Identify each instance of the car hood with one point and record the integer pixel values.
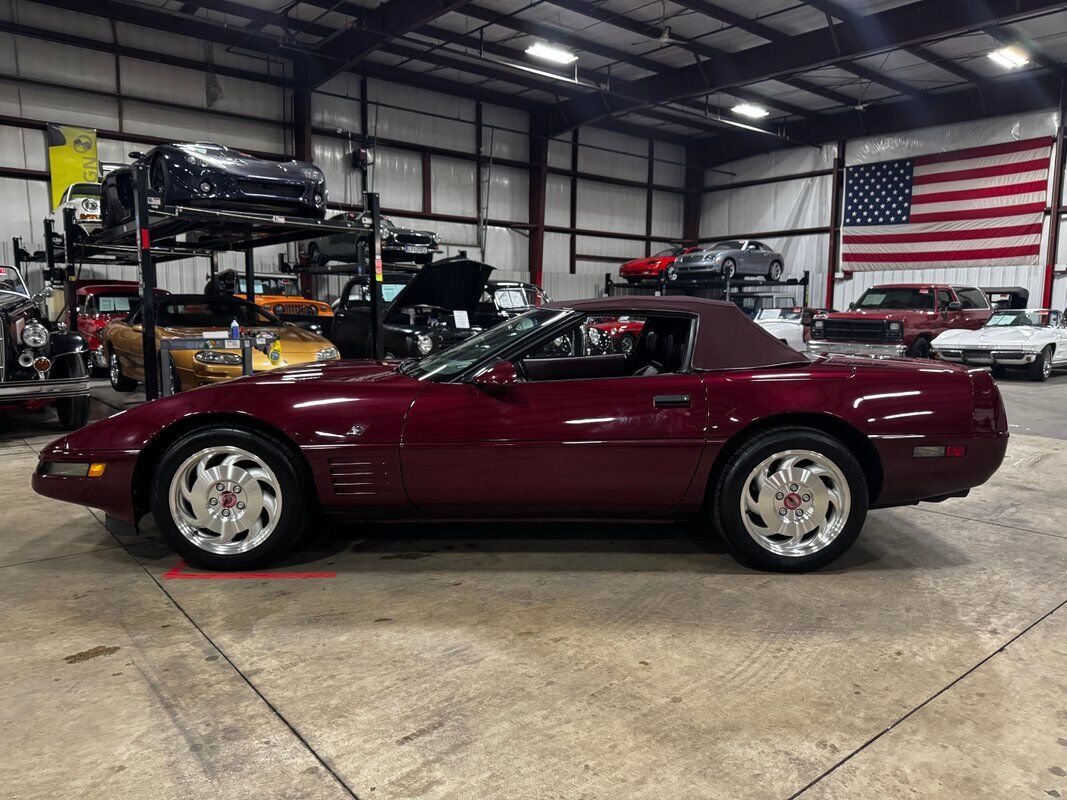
(650, 261)
(452, 284)
(993, 335)
(249, 166)
(874, 314)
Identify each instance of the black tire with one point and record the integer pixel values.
(727, 497)
(1041, 367)
(159, 180)
(626, 344)
(119, 382)
(296, 508)
(920, 348)
(73, 412)
(1000, 372)
(774, 271)
(729, 268)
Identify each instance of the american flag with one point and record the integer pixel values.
(983, 206)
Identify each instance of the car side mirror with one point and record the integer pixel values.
(136, 155)
(497, 377)
(955, 305)
(138, 327)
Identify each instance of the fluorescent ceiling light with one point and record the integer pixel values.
(1010, 57)
(556, 55)
(750, 111)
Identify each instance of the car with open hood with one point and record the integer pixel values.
(209, 175)
(399, 244)
(185, 316)
(708, 418)
(1032, 339)
(423, 310)
(41, 362)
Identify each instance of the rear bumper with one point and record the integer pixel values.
(857, 348)
(989, 358)
(43, 390)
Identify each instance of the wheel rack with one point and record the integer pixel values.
(159, 233)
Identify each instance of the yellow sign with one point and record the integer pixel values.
(71, 158)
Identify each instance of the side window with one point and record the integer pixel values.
(355, 295)
(89, 306)
(972, 298)
(944, 297)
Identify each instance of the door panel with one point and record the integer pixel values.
(611, 445)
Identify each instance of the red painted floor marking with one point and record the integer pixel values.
(177, 573)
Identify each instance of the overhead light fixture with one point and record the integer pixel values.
(751, 111)
(1010, 57)
(557, 55)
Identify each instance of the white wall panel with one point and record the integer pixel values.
(559, 152)
(181, 125)
(22, 148)
(506, 248)
(452, 186)
(397, 176)
(60, 63)
(453, 129)
(558, 201)
(26, 204)
(773, 165)
(336, 104)
(504, 141)
(343, 184)
(189, 87)
(667, 215)
(557, 253)
(606, 207)
(67, 106)
(623, 249)
(614, 154)
(506, 190)
(564, 286)
(668, 169)
(785, 205)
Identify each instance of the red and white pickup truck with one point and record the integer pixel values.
(899, 319)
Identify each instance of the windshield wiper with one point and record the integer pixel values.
(406, 364)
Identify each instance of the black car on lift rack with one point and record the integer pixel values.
(399, 245)
(208, 175)
(425, 310)
(41, 362)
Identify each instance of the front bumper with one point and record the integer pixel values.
(704, 270)
(112, 493)
(43, 390)
(858, 348)
(988, 358)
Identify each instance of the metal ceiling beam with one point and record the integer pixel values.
(1009, 95)
(888, 30)
(946, 64)
(378, 27)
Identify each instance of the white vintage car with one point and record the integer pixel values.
(784, 324)
(84, 198)
(1034, 338)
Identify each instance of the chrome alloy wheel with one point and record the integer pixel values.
(1046, 365)
(225, 500)
(113, 369)
(795, 503)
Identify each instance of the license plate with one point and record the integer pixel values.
(414, 248)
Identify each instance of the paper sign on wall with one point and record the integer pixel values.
(461, 319)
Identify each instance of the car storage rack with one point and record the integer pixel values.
(159, 233)
(734, 289)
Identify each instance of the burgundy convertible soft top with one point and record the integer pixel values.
(726, 338)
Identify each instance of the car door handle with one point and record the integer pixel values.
(671, 401)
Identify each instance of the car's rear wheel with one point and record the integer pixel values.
(790, 500)
(729, 268)
(1041, 367)
(774, 272)
(920, 348)
(230, 498)
(73, 412)
(626, 344)
(119, 382)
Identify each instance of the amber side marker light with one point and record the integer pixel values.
(951, 451)
(73, 469)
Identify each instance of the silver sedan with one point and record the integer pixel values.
(727, 259)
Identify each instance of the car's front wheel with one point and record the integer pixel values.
(73, 412)
(626, 344)
(774, 272)
(920, 348)
(1040, 368)
(230, 498)
(729, 268)
(119, 382)
(790, 500)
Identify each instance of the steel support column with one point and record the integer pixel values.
(68, 291)
(538, 181)
(837, 193)
(302, 125)
(372, 204)
(1055, 217)
(250, 276)
(146, 277)
(694, 194)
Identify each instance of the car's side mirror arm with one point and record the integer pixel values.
(497, 378)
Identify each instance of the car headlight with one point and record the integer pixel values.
(326, 354)
(278, 309)
(436, 238)
(424, 343)
(311, 173)
(818, 327)
(896, 330)
(90, 206)
(215, 357)
(35, 335)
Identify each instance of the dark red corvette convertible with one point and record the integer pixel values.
(707, 414)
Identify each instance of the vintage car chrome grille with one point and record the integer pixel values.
(297, 309)
(855, 330)
(271, 188)
(412, 238)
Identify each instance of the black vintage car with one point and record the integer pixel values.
(213, 176)
(424, 310)
(41, 362)
(399, 245)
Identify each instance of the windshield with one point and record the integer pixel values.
(778, 313)
(211, 312)
(85, 190)
(117, 303)
(11, 281)
(517, 297)
(898, 297)
(449, 363)
(271, 285)
(1030, 317)
(726, 246)
(670, 251)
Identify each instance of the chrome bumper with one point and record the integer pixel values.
(42, 390)
(989, 358)
(857, 349)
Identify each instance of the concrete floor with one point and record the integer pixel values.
(545, 662)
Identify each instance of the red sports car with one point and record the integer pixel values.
(708, 416)
(616, 333)
(98, 303)
(643, 269)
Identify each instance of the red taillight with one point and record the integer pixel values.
(955, 451)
